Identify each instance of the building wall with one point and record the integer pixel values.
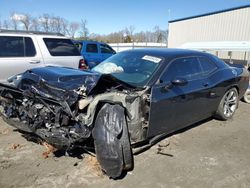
(226, 26)
(118, 47)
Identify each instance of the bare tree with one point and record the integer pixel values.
(6, 24)
(44, 22)
(56, 24)
(160, 35)
(84, 30)
(35, 25)
(140, 37)
(14, 20)
(65, 24)
(26, 19)
(73, 27)
(131, 30)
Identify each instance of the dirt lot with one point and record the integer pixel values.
(215, 154)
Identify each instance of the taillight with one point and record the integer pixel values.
(82, 65)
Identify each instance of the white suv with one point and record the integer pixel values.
(20, 50)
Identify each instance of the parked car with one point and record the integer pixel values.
(94, 52)
(134, 97)
(20, 51)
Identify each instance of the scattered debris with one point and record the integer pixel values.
(159, 151)
(5, 131)
(50, 149)
(174, 139)
(94, 166)
(162, 146)
(5, 164)
(15, 146)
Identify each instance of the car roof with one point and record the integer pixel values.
(90, 41)
(4, 32)
(168, 53)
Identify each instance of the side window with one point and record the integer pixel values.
(106, 49)
(61, 47)
(30, 50)
(79, 46)
(188, 68)
(92, 48)
(11, 46)
(207, 65)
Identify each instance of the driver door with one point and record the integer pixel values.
(175, 105)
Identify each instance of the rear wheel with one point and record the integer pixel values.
(228, 105)
(111, 139)
(246, 97)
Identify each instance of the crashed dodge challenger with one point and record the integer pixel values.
(123, 105)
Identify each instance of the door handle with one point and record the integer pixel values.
(34, 61)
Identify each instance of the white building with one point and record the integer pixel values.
(228, 27)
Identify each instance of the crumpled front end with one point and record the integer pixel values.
(44, 101)
(59, 104)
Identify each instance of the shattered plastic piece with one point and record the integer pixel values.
(15, 146)
(50, 149)
(5, 131)
(84, 102)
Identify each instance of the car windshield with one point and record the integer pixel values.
(131, 67)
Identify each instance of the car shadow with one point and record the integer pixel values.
(77, 152)
(164, 136)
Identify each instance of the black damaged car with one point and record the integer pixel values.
(124, 104)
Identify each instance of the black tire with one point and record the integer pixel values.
(228, 105)
(246, 97)
(111, 140)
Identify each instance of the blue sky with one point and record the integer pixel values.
(105, 16)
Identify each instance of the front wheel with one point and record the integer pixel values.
(112, 142)
(228, 105)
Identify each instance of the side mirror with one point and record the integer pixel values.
(175, 82)
(179, 82)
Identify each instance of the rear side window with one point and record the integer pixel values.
(61, 47)
(79, 46)
(188, 68)
(30, 50)
(207, 65)
(92, 48)
(106, 49)
(11, 46)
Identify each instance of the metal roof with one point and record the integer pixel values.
(210, 13)
(218, 46)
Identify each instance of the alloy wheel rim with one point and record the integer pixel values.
(230, 103)
(248, 96)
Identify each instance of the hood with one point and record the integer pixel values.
(63, 84)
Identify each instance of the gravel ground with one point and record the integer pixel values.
(213, 154)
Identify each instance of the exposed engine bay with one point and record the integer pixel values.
(60, 104)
